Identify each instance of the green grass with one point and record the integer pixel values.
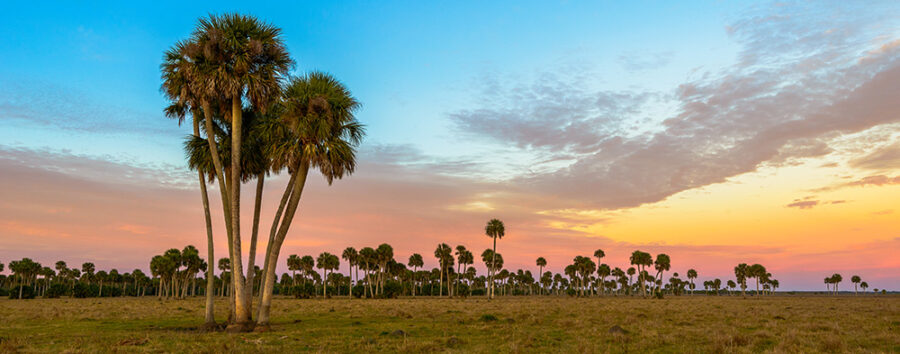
(523, 324)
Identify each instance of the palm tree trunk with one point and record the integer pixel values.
(223, 186)
(265, 283)
(241, 302)
(272, 258)
(491, 269)
(210, 269)
(251, 260)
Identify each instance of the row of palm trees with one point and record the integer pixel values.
(832, 282)
(176, 274)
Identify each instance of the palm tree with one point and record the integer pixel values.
(415, 261)
(87, 271)
(494, 229)
(322, 133)
(692, 274)
(177, 86)
(350, 255)
(603, 271)
(442, 253)
(862, 285)
(757, 271)
(460, 260)
(541, 263)
(247, 60)
(293, 263)
(641, 260)
(662, 264)
(731, 286)
(836, 279)
(224, 266)
(855, 279)
(325, 263)
(741, 273)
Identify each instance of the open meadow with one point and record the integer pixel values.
(508, 324)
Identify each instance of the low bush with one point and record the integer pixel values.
(27, 292)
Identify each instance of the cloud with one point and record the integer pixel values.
(876, 180)
(885, 158)
(67, 108)
(803, 204)
(634, 61)
(794, 88)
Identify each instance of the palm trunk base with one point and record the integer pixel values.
(240, 327)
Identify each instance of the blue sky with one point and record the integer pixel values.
(95, 67)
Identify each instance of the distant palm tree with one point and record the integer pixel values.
(350, 255)
(864, 286)
(855, 279)
(541, 263)
(603, 271)
(662, 264)
(293, 263)
(323, 262)
(460, 260)
(691, 275)
(759, 272)
(641, 260)
(415, 262)
(494, 229)
(442, 253)
(836, 279)
(741, 273)
(731, 285)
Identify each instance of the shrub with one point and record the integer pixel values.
(487, 318)
(462, 290)
(27, 292)
(391, 289)
(304, 291)
(358, 291)
(56, 290)
(570, 292)
(478, 292)
(82, 290)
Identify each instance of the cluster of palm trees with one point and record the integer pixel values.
(832, 282)
(61, 280)
(231, 77)
(177, 271)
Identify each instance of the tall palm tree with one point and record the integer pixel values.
(855, 280)
(322, 133)
(177, 86)
(237, 57)
(494, 229)
(541, 263)
(415, 262)
(692, 274)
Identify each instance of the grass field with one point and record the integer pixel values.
(549, 324)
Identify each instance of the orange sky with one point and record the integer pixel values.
(767, 134)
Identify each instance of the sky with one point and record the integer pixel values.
(715, 132)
